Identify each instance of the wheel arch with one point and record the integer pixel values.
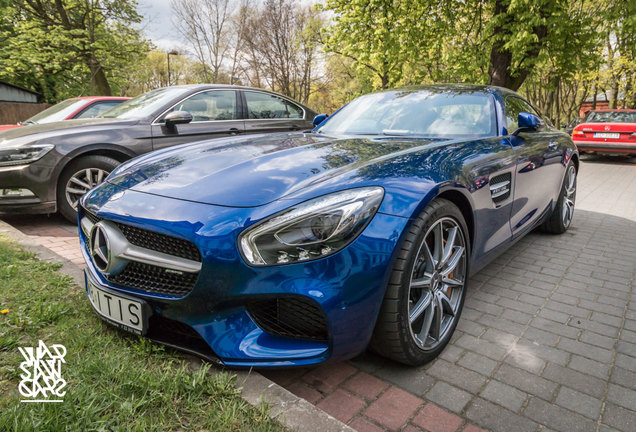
(465, 207)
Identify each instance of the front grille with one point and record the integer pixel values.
(155, 241)
(146, 277)
(294, 317)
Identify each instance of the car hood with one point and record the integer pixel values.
(28, 134)
(256, 170)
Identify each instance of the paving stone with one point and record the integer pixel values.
(470, 327)
(554, 327)
(461, 377)
(448, 396)
(593, 326)
(568, 377)
(520, 306)
(586, 350)
(529, 383)
(502, 323)
(393, 408)
(623, 377)
(550, 314)
(478, 363)
(611, 320)
(452, 353)
(597, 339)
(482, 346)
(628, 336)
(543, 337)
(626, 362)
(473, 428)
(362, 424)
(504, 395)
(516, 316)
(326, 378)
(554, 355)
(591, 367)
(579, 402)
(414, 380)
(435, 419)
(619, 418)
(341, 405)
(498, 419)
(365, 385)
(622, 396)
(626, 348)
(302, 390)
(557, 418)
(499, 337)
(525, 359)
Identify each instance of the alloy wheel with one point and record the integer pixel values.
(569, 195)
(437, 283)
(81, 182)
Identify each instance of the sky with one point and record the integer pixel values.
(157, 25)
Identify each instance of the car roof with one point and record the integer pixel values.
(94, 98)
(614, 110)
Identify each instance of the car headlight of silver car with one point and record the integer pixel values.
(312, 229)
(23, 154)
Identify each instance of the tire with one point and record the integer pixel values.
(416, 286)
(75, 181)
(561, 217)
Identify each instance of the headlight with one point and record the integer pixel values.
(23, 155)
(312, 229)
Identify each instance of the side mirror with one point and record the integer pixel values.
(527, 121)
(319, 119)
(177, 117)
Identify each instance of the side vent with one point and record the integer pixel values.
(500, 187)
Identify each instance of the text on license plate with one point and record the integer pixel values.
(614, 135)
(128, 314)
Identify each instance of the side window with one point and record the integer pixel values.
(514, 106)
(209, 105)
(97, 109)
(266, 106)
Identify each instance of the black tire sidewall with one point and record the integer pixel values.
(93, 161)
(411, 353)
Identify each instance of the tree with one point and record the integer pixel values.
(56, 40)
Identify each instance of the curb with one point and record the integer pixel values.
(292, 411)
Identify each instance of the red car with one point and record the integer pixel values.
(607, 131)
(73, 108)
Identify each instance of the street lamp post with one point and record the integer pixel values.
(168, 54)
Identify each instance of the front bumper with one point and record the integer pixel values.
(37, 178)
(348, 287)
(607, 147)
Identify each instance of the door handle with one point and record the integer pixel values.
(553, 145)
(234, 131)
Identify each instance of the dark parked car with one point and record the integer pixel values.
(44, 168)
(73, 108)
(295, 249)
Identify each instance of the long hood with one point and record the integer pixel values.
(253, 171)
(50, 131)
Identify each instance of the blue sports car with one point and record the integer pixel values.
(296, 248)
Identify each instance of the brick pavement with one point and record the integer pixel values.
(547, 339)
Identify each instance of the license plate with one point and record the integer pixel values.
(122, 312)
(607, 135)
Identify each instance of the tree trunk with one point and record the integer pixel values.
(99, 82)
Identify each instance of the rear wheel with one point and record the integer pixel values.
(427, 287)
(561, 217)
(79, 177)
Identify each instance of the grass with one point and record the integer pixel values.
(114, 381)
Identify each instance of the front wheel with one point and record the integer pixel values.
(561, 217)
(80, 176)
(426, 292)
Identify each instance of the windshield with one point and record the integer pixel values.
(144, 105)
(57, 112)
(611, 116)
(427, 113)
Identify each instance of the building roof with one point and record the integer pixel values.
(604, 97)
(19, 87)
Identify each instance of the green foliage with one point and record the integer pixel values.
(69, 47)
(115, 381)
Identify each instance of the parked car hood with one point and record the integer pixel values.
(256, 170)
(38, 132)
